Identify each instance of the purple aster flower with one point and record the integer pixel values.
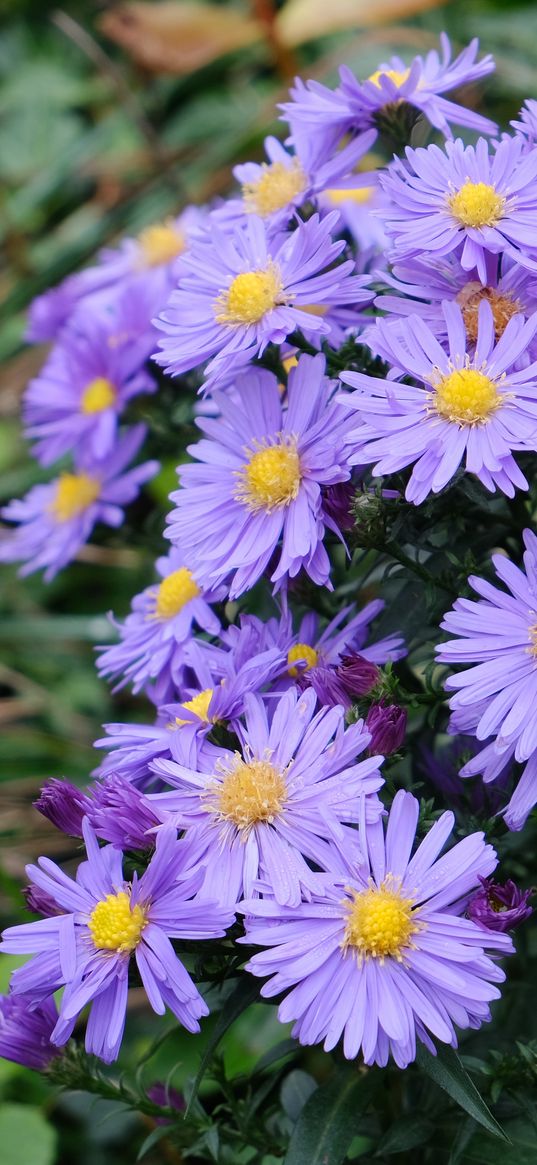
(478, 407)
(149, 261)
(357, 206)
(239, 292)
(387, 725)
(87, 949)
(292, 789)
(465, 199)
(88, 379)
(56, 519)
(527, 123)
(153, 638)
(497, 636)
(354, 106)
(499, 907)
(348, 630)
(64, 804)
(25, 1031)
(119, 814)
(381, 957)
(258, 481)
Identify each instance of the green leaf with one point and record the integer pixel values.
(448, 1072)
(25, 1136)
(331, 1118)
(245, 993)
(404, 1134)
(296, 1089)
(152, 1139)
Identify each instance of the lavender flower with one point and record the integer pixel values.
(381, 957)
(479, 407)
(64, 804)
(119, 814)
(240, 292)
(56, 519)
(87, 949)
(25, 1031)
(263, 811)
(499, 907)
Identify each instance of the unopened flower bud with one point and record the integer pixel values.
(497, 907)
(387, 725)
(64, 805)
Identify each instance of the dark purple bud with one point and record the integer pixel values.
(25, 1034)
(39, 902)
(337, 504)
(120, 814)
(168, 1097)
(326, 685)
(387, 725)
(497, 907)
(358, 675)
(64, 805)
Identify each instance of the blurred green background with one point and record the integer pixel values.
(113, 117)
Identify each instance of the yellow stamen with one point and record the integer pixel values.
(161, 243)
(74, 493)
(250, 296)
(465, 396)
(271, 478)
(251, 792)
(301, 652)
(503, 306)
(199, 705)
(276, 188)
(359, 195)
(289, 363)
(398, 78)
(380, 921)
(477, 204)
(98, 395)
(174, 592)
(115, 925)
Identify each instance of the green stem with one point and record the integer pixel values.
(395, 551)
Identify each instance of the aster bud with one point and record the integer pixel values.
(25, 1031)
(166, 1097)
(337, 504)
(358, 675)
(120, 814)
(63, 804)
(387, 725)
(39, 902)
(499, 907)
(327, 685)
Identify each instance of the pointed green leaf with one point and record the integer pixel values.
(245, 993)
(448, 1072)
(331, 1118)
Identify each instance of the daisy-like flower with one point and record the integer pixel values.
(56, 519)
(155, 634)
(348, 630)
(76, 401)
(526, 125)
(25, 1031)
(287, 796)
(239, 292)
(104, 921)
(149, 260)
(382, 958)
(467, 199)
(497, 636)
(477, 407)
(355, 106)
(258, 481)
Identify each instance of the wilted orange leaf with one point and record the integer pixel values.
(302, 20)
(178, 38)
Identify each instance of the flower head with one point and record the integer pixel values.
(476, 404)
(272, 807)
(381, 957)
(104, 922)
(64, 804)
(56, 519)
(25, 1031)
(239, 292)
(387, 725)
(499, 907)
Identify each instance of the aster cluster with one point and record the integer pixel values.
(251, 804)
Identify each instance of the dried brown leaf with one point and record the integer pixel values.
(303, 20)
(175, 37)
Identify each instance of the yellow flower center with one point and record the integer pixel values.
(74, 493)
(503, 308)
(477, 204)
(276, 187)
(115, 926)
(301, 651)
(199, 705)
(251, 792)
(174, 592)
(271, 478)
(359, 195)
(160, 243)
(395, 76)
(98, 395)
(466, 396)
(380, 921)
(289, 363)
(250, 296)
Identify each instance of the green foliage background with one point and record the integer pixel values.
(86, 158)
